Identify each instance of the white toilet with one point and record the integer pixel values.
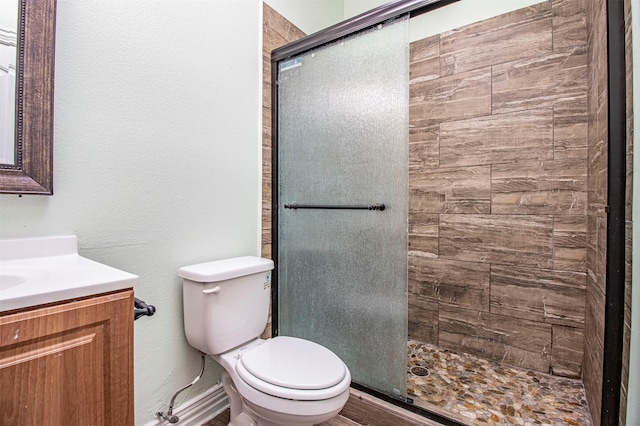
(280, 381)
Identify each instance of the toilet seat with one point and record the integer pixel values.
(292, 368)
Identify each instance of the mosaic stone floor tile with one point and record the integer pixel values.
(476, 391)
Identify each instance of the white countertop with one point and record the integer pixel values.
(35, 271)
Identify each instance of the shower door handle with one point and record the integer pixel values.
(294, 206)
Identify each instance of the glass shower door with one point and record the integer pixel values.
(343, 141)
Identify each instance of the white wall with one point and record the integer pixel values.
(310, 15)
(157, 145)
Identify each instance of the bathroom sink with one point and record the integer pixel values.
(13, 275)
(35, 271)
(8, 281)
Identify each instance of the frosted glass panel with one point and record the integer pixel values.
(343, 140)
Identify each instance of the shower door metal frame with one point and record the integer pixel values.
(616, 183)
(613, 345)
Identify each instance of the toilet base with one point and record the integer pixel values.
(237, 417)
(245, 413)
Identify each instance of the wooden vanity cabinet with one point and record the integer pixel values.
(68, 364)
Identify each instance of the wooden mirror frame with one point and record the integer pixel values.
(33, 171)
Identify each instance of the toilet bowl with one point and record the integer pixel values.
(287, 381)
(279, 381)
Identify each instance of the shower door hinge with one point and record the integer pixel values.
(607, 209)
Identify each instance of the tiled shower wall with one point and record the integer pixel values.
(498, 188)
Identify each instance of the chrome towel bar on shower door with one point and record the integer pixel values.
(295, 206)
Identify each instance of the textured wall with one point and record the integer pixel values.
(498, 188)
(157, 147)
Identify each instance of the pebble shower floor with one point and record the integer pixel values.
(476, 391)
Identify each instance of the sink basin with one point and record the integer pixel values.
(8, 281)
(36, 271)
(13, 275)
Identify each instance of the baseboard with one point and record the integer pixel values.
(199, 409)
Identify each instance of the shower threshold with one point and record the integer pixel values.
(476, 391)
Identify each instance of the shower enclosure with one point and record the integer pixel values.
(430, 210)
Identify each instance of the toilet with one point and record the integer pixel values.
(279, 381)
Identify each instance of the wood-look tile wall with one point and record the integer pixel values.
(597, 199)
(498, 188)
(276, 32)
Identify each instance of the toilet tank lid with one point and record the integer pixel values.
(226, 269)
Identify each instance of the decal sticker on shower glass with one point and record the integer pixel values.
(291, 64)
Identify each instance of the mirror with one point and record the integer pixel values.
(31, 171)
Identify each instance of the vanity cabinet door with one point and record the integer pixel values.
(69, 364)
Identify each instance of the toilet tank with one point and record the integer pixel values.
(226, 302)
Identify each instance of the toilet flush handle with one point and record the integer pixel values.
(214, 290)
